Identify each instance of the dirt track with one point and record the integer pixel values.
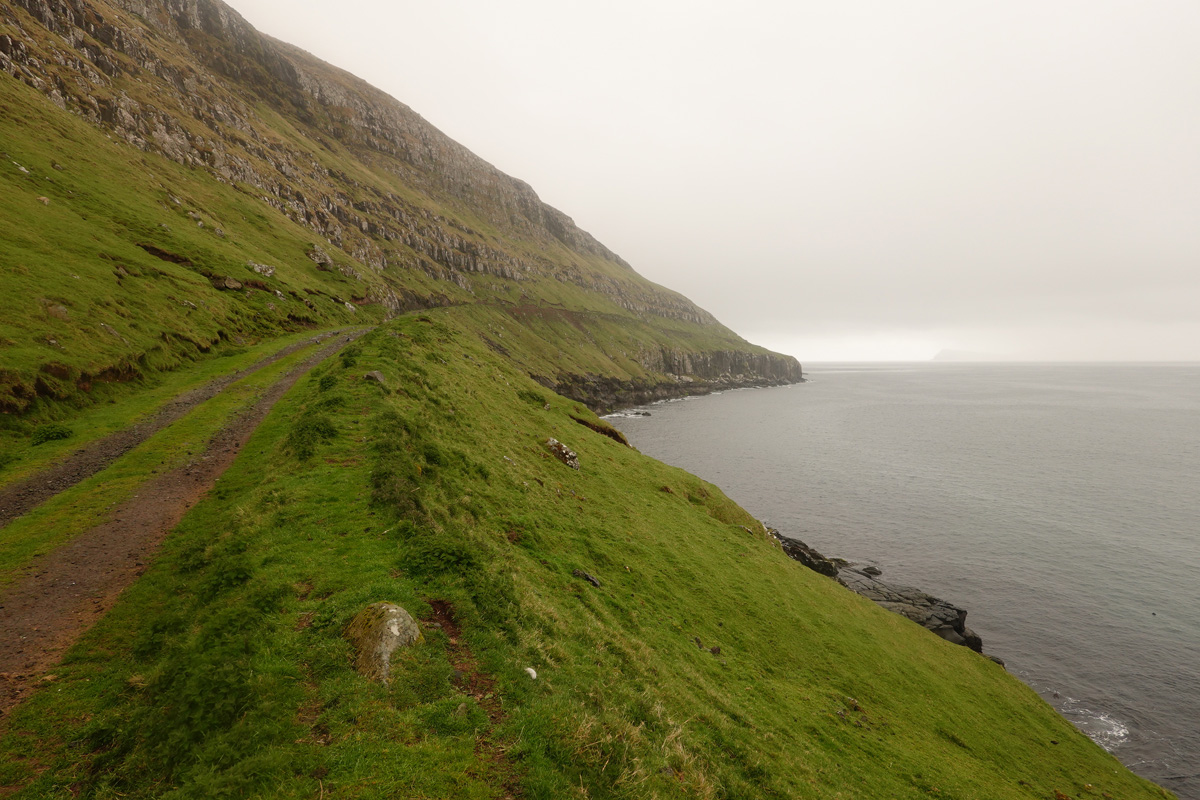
(23, 497)
(72, 587)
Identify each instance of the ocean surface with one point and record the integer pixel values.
(1058, 503)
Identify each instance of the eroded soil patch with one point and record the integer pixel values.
(471, 680)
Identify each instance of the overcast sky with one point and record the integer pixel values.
(843, 180)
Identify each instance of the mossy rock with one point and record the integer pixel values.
(376, 632)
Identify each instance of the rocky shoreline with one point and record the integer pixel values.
(604, 395)
(932, 613)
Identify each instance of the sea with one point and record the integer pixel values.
(1058, 503)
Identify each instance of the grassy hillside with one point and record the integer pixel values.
(223, 671)
(175, 182)
(115, 265)
(107, 277)
(183, 197)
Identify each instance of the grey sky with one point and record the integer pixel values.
(853, 179)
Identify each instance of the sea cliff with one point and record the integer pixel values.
(303, 196)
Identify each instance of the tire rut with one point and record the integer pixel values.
(26, 495)
(480, 686)
(70, 588)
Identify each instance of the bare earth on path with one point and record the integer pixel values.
(23, 496)
(70, 588)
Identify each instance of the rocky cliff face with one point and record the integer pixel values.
(684, 373)
(722, 365)
(604, 394)
(184, 78)
(390, 200)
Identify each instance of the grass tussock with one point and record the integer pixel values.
(50, 432)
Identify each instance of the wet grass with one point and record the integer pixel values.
(705, 664)
(88, 503)
(108, 273)
(96, 421)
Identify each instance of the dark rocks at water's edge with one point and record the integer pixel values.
(799, 551)
(681, 374)
(605, 394)
(943, 618)
(932, 613)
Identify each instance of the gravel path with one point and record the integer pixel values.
(69, 589)
(23, 497)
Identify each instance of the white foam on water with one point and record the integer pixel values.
(1100, 726)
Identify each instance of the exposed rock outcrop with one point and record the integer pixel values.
(592, 579)
(377, 632)
(712, 371)
(945, 619)
(563, 453)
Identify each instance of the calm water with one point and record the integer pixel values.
(1058, 504)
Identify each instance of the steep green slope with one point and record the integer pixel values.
(223, 672)
(174, 180)
(107, 276)
(182, 195)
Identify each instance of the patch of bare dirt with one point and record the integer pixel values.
(67, 590)
(481, 686)
(23, 497)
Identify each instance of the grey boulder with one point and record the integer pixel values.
(376, 632)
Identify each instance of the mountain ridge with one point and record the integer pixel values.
(346, 204)
(339, 105)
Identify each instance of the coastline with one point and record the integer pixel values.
(873, 463)
(608, 395)
(607, 398)
(938, 616)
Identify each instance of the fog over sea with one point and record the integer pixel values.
(1058, 503)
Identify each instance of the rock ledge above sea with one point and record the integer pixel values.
(939, 616)
(945, 619)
